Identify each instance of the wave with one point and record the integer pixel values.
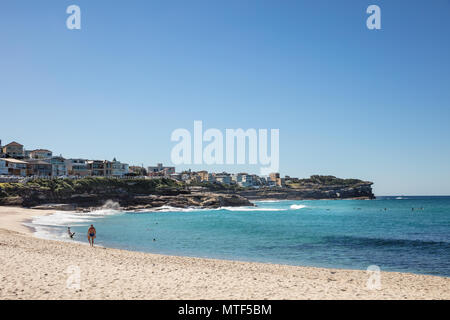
(297, 206)
(61, 219)
(196, 209)
(44, 225)
(53, 226)
(101, 212)
(250, 209)
(173, 209)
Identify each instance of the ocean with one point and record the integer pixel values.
(405, 234)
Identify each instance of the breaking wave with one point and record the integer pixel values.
(297, 206)
(173, 209)
(194, 209)
(250, 209)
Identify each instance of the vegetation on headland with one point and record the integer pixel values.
(93, 191)
(132, 194)
(215, 186)
(90, 185)
(318, 180)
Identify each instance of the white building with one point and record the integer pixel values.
(15, 167)
(59, 167)
(40, 154)
(243, 179)
(222, 178)
(119, 169)
(3, 168)
(160, 170)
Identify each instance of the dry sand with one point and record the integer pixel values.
(32, 268)
(12, 218)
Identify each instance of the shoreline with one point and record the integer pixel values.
(29, 275)
(14, 218)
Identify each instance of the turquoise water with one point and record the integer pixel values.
(351, 234)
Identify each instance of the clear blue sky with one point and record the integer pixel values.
(348, 101)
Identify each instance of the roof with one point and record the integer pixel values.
(14, 144)
(14, 160)
(40, 150)
(39, 162)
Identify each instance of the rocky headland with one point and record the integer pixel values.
(136, 194)
(363, 192)
(89, 193)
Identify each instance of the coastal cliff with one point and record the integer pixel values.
(130, 194)
(134, 194)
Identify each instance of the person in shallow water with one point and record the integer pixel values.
(92, 234)
(71, 234)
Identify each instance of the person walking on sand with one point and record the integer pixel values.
(92, 234)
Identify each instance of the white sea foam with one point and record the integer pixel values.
(47, 226)
(61, 219)
(250, 209)
(101, 212)
(196, 209)
(173, 209)
(112, 205)
(297, 206)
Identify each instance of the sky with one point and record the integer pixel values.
(348, 101)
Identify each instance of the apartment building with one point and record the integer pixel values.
(40, 154)
(15, 167)
(39, 168)
(99, 168)
(59, 167)
(204, 176)
(119, 169)
(77, 167)
(160, 170)
(224, 178)
(13, 150)
(275, 178)
(3, 167)
(137, 170)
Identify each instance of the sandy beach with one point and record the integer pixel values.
(13, 218)
(32, 268)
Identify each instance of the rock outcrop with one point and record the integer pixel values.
(198, 200)
(88, 193)
(47, 200)
(360, 191)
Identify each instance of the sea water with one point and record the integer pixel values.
(406, 234)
